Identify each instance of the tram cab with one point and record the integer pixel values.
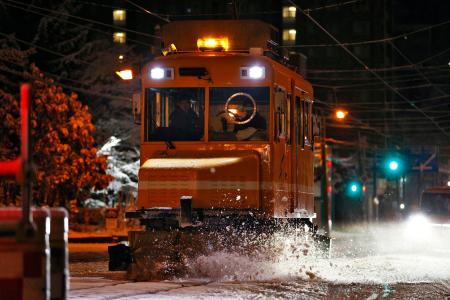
(226, 123)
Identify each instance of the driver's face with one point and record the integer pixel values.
(184, 104)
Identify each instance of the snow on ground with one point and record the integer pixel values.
(376, 254)
(367, 262)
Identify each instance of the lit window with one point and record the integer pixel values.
(119, 16)
(120, 37)
(289, 12)
(289, 35)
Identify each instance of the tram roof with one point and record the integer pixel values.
(241, 34)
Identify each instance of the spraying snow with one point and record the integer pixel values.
(361, 254)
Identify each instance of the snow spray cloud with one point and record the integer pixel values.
(386, 253)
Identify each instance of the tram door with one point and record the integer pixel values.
(283, 191)
(304, 173)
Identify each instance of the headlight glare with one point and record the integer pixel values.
(256, 72)
(157, 73)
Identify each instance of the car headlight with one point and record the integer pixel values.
(418, 220)
(418, 227)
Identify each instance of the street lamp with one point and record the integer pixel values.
(126, 74)
(341, 114)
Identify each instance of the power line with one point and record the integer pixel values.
(436, 87)
(147, 11)
(395, 68)
(107, 6)
(356, 120)
(395, 90)
(74, 23)
(41, 48)
(436, 73)
(369, 42)
(351, 88)
(58, 76)
(86, 19)
(89, 92)
(368, 84)
(332, 5)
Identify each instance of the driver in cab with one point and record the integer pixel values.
(184, 120)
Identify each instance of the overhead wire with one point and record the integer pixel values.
(351, 88)
(40, 47)
(369, 84)
(424, 77)
(355, 119)
(53, 76)
(369, 42)
(74, 23)
(148, 11)
(394, 68)
(332, 5)
(103, 95)
(85, 19)
(432, 73)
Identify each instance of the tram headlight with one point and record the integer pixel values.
(157, 73)
(161, 73)
(256, 72)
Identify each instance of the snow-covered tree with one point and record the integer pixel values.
(66, 162)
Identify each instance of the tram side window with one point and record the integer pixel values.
(238, 114)
(306, 121)
(174, 114)
(299, 128)
(282, 115)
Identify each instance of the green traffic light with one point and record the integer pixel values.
(393, 165)
(353, 189)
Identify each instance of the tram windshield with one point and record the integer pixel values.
(238, 114)
(174, 114)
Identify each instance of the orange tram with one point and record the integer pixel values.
(226, 137)
(226, 140)
(226, 129)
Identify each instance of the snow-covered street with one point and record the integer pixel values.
(97, 288)
(376, 262)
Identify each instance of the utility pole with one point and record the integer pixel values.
(235, 9)
(324, 186)
(374, 188)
